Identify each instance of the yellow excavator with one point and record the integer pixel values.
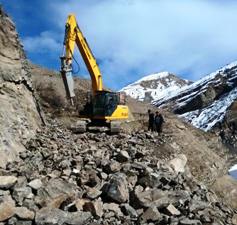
(105, 108)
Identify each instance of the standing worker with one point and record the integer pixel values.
(159, 120)
(151, 120)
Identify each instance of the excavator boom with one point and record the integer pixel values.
(73, 35)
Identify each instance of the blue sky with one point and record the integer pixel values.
(133, 38)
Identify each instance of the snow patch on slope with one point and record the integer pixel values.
(203, 83)
(212, 114)
(160, 85)
(154, 76)
(233, 171)
(233, 168)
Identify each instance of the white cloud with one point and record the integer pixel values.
(44, 43)
(137, 37)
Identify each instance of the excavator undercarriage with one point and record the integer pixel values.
(82, 126)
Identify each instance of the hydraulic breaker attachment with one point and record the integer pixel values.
(66, 72)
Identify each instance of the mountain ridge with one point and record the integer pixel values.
(154, 86)
(203, 103)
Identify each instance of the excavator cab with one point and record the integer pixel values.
(103, 104)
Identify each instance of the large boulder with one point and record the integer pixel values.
(7, 181)
(7, 208)
(55, 192)
(58, 217)
(178, 164)
(117, 189)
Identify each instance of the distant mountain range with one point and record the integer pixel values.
(155, 86)
(205, 103)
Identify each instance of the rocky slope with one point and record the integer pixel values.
(155, 86)
(195, 144)
(135, 177)
(70, 162)
(187, 140)
(19, 116)
(206, 102)
(66, 178)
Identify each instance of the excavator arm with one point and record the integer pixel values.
(73, 36)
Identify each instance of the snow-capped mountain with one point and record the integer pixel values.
(208, 101)
(155, 86)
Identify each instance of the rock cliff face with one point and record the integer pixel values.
(19, 117)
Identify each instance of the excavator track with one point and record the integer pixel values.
(79, 127)
(115, 127)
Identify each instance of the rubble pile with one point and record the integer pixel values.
(95, 178)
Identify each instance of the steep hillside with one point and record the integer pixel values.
(155, 86)
(49, 87)
(19, 116)
(206, 102)
(185, 139)
(135, 177)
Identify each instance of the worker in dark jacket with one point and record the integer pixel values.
(151, 120)
(159, 120)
